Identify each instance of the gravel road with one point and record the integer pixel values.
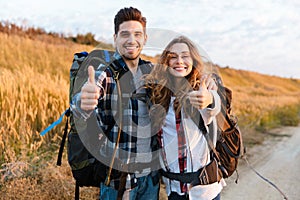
(278, 160)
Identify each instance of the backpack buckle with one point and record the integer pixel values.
(116, 75)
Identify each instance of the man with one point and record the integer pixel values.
(98, 96)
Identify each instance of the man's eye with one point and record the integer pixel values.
(124, 34)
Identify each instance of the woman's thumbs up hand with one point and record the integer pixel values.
(202, 98)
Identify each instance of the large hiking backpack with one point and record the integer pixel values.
(229, 147)
(86, 169)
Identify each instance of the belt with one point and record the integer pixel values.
(203, 176)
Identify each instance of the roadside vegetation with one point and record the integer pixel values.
(34, 84)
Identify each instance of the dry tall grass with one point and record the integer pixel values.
(255, 96)
(34, 92)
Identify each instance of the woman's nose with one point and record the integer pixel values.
(179, 59)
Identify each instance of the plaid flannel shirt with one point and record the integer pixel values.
(107, 114)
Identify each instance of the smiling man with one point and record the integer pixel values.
(98, 96)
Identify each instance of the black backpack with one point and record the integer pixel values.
(86, 169)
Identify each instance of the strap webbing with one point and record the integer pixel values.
(106, 55)
(54, 123)
(122, 185)
(62, 144)
(198, 120)
(263, 178)
(76, 191)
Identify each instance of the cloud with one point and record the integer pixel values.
(255, 35)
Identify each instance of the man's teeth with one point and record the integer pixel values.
(131, 48)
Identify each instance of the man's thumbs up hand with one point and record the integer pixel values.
(90, 92)
(202, 98)
(91, 72)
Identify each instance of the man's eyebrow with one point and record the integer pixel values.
(124, 31)
(135, 31)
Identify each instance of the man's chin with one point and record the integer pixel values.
(131, 57)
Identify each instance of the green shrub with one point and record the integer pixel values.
(282, 116)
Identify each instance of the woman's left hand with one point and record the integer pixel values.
(210, 83)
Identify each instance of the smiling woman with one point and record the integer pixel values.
(180, 88)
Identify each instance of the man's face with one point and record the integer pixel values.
(130, 39)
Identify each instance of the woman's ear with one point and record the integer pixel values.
(145, 40)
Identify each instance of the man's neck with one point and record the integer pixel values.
(132, 65)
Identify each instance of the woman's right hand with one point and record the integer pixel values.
(202, 98)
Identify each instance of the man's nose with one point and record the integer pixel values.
(131, 38)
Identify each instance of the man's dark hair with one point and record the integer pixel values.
(127, 14)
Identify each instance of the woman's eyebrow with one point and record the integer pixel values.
(185, 52)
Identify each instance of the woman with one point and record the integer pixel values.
(179, 86)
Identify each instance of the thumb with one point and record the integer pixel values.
(203, 85)
(91, 73)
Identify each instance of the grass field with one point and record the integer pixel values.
(34, 92)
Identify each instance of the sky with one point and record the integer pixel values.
(259, 35)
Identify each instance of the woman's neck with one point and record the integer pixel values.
(177, 83)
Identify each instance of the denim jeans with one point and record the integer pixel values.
(218, 197)
(144, 190)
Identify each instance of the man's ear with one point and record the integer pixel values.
(115, 38)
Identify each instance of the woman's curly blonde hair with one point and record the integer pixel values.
(159, 81)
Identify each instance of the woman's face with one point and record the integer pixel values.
(180, 60)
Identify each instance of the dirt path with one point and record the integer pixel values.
(277, 159)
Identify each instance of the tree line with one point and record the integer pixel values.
(33, 33)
